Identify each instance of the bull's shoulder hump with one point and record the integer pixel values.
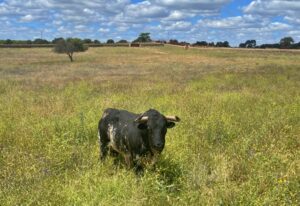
(127, 116)
(110, 110)
(122, 116)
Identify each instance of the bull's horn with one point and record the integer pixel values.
(141, 119)
(173, 118)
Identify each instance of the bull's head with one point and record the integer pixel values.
(156, 125)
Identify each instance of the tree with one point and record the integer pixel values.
(123, 41)
(69, 46)
(96, 41)
(286, 42)
(40, 41)
(173, 41)
(242, 45)
(110, 41)
(264, 46)
(143, 37)
(54, 41)
(8, 41)
(87, 41)
(226, 44)
(212, 44)
(183, 43)
(222, 44)
(248, 44)
(200, 43)
(295, 46)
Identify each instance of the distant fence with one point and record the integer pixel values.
(26, 45)
(89, 45)
(109, 45)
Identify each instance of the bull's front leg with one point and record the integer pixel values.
(138, 165)
(128, 160)
(154, 160)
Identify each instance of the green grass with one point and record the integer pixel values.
(237, 144)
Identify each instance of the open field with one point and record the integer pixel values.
(237, 144)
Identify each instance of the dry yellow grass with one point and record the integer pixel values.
(238, 142)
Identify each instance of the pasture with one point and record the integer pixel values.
(237, 144)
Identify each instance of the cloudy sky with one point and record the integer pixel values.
(186, 20)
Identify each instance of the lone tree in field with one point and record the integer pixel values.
(286, 42)
(143, 37)
(248, 44)
(69, 46)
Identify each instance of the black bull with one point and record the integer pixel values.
(133, 135)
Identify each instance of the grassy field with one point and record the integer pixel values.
(237, 144)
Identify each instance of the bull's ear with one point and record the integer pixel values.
(170, 124)
(142, 126)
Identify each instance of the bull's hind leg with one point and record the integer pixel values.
(103, 143)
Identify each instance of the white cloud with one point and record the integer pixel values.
(122, 28)
(180, 26)
(88, 11)
(178, 15)
(274, 7)
(292, 20)
(80, 27)
(104, 30)
(274, 26)
(236, 22)
(145, 9)
(27, 18)
(57, 22)
(193, 4)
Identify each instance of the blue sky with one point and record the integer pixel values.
(185, 20)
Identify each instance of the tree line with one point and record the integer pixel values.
(285, 43)
(143, 37)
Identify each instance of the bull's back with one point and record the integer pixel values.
(115, 116)
(115, 124)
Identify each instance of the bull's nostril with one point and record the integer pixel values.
(159, 145)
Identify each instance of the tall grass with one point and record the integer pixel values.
(238, 142)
